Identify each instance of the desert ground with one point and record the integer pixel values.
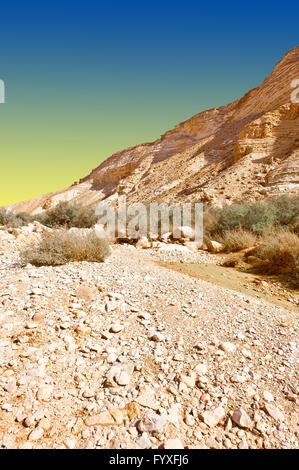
(137, 353)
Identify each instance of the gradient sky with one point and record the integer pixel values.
(86, 79)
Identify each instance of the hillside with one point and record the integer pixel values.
(245, 150)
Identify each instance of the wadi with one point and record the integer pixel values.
(161, 341)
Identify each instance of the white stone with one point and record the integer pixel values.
(201, 369)
(36, 434)
(267, 396)
(44, 393)
(173, 444)
(69, 443)
(157, 336)
(227, 347)
(116, 328)
(213, 417)
(152, 423)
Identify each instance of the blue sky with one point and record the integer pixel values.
(86, 79)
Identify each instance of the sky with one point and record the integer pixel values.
(84, 80)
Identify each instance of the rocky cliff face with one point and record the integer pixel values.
(244, 150)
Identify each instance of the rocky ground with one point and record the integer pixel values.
(131, 354)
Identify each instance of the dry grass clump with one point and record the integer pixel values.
(61, 247)
(237, 240)
(278, 253)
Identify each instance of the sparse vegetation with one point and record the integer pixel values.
(239, 239)
(68, 215)
(270, 226)
(61, 247)
(277, 213)
(63, 215)
(10, 220)
(278, 253)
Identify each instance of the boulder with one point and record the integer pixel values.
(214, 247)
(143, 243)
(187, 232)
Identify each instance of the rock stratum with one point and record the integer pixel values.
(247, 149)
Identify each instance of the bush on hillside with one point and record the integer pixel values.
(68, 215)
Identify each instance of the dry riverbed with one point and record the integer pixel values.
(130, 353)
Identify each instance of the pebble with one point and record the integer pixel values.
(227, 347)
(238, 379)
(201, 369)
(69, 443)
(274, 412)
(241, 418)
(152, 423)
(36, 434)
(122, 378)
(267, 396)
(44, 393)
(83, 330)
(116, 328)
(157, 337)
(213, 417)
(175, 443)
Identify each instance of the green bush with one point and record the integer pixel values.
(279, 213)
(8, 218)
(68, 215)
(286, 210)
(24, 218)
(255, 217)
(15, 220)
(61, 247)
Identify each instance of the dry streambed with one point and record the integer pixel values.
(266, 287)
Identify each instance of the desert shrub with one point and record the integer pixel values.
(255, 217)
(60, 247)
(24, 218)
(295, 226)
(210, 225)
(286, 210)
(14, 220)
(238, 239)
(68, 215)
(279, 213)
(8, 218)
(279, 254)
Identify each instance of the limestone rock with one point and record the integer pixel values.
(213, 417)
(274, 412)
(241, 418)
(173, 444)
(214, 246)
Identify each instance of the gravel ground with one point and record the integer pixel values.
(129, 354)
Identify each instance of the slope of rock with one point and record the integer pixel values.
(246, 149)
